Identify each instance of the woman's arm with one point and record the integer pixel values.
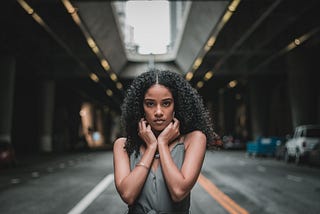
(129, 183)
(180, 182)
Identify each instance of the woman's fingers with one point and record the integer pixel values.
(176, 123)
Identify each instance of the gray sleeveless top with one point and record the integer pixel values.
(155, 197)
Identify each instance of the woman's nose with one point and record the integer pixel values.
(159, 111)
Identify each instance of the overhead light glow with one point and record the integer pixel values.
(189, 76)
(26, 6)
(233, 6)
(83, 112)
(291, 46)
(114, 77)
(76, 18)
(208, 75)
(38, 19)
(69, 6)
(119, 85)
(226, 16)
(232, 83)
(95, 50)
(197, 63)
(91, 43)
(94, 77)
(200, 84)
(210, 43)
(297, 42)
(105, 64)
(109, 92)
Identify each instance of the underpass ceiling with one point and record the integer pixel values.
(99, 19)
(252, 42)
(257, 34)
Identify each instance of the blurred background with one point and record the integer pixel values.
(65, 65)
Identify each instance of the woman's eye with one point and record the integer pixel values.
(149, 104)
(166, 104)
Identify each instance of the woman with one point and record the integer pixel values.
(167, 130)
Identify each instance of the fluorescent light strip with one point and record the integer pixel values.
(92, 44)
(211, 41)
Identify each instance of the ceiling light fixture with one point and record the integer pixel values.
(26, 7)
(119, 85)
(94, 77)
(114, 77)
(208, 75)
(200, 84)
(232, 83)
(197, 63)
(92, 44)
(189, 76)
(109, 92)
(214, 35)
(105, 64)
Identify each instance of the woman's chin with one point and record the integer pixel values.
(157, 129)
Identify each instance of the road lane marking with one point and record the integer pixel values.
(92, 195)
(261, 168)
(231, 206)
(294, 178)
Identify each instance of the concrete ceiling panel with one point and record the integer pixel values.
(99, 19)
(203, 17)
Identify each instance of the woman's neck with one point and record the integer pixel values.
(156, 133)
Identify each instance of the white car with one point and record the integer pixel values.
(305, 138)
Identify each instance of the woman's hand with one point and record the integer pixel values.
(146, 133)
(170, 133)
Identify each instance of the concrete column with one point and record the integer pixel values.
(7, 78)
(220, 120)
(258, 107)
(229, 111)
(99, 130)
(302, 87)
(46, 112)
(115, 127)
(226, 112)
(279, 122)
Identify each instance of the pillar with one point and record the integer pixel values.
(302, 87)
(258, 107)
(46, 112)
(7, 77)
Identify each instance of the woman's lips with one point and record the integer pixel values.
(159, 122)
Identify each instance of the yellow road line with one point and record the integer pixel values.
(225, 201)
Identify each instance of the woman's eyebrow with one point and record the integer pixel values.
(165, 99)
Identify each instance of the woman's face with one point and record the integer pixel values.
(158, 105)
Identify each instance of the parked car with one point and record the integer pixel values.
(216, 143)
(263, 146)
(304, 140)
(231, 142)
(280, 150)
(314, 157)
(281, 147)
(7, 154)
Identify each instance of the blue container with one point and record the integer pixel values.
(263, 146)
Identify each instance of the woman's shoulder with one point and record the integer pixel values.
(195, 136)
(120, 142)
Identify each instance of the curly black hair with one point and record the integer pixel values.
(188, 106)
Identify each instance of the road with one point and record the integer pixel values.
(230, 182)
